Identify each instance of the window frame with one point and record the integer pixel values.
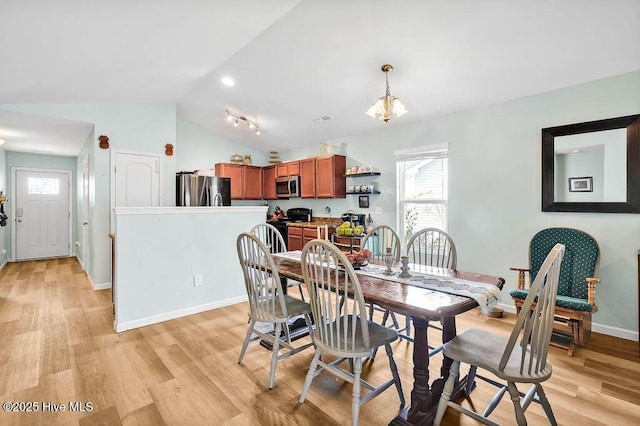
(434, 151)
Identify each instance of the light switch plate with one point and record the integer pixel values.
(378, 210)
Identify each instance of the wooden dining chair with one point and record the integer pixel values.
(342, 330)
(267, 302)
(433, 247)
(274, 241)
(512, 361)
(380, 240)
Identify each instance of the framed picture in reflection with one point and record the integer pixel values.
(363, 201)
(581, 184)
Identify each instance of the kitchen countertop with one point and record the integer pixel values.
(317, 221)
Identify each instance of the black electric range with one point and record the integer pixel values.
(297, 214)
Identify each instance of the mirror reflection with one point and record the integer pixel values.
(591, 167)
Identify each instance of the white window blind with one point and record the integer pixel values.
(422, 189)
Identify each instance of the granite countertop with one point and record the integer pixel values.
(317, 221)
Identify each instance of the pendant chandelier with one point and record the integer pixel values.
(387, 104)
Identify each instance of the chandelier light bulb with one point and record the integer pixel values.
(386, 105)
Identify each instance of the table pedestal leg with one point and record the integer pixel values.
(420, 411)
(425, 398)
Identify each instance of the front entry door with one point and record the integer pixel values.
(42, 214)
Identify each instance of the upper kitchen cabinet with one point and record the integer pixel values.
(252, 183)
(269, 183)
(290, 168)
(330, 180)
(246, 181)
(234, 172)
(308, 178)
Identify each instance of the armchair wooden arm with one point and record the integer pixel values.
(521, 272)
(591, 282)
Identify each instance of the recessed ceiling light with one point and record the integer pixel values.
(228, 81)
(323, 119)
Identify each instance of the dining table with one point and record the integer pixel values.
(424, 304)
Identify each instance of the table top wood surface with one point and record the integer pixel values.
(406, 299)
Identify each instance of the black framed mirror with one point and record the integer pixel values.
(592, 166)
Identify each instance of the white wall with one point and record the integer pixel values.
(158, 252)
(495, 185)
(201, 149)
(144, 127)
(5, 235)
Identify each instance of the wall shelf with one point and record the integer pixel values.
(363, 193)
(363, 174)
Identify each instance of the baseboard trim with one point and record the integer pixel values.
(81, 264)
(154, 319)
(101, 286)
(598, 328)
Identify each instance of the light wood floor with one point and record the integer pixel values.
(57, 345)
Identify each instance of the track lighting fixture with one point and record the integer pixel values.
(237, 119)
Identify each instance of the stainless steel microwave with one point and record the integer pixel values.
(288, 187)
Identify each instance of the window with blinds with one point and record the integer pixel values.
(422, 189)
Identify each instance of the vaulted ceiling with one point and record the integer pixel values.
(295, 61)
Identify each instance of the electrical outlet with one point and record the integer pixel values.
(4, 251)
(378, 210)
(197, 280)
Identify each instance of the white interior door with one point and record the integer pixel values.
(86, 247)
(42, 214)
(135, 180)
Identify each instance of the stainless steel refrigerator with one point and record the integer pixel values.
(192, 190)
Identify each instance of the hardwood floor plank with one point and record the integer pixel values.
(57, 344)
(55, 350)
(107, 417)
(144, 416)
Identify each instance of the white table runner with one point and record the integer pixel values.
(487, 295)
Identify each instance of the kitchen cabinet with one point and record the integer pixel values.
(290, 168)
(246, 181)
(309, 234)
(269, 183)
(252, 183)
(308, 178)
(234, 172)
(330, 180)
(295, 238)
(293, 168)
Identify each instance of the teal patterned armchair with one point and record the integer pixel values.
(576, 289)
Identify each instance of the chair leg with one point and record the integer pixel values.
(301, 293)
(312, 371)
(515, 398)
(454, 371)
(246, 340)
(407, 319)
(545, 404)
(274, 356)
(471, 379)
(357, 385)
(394, 373)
